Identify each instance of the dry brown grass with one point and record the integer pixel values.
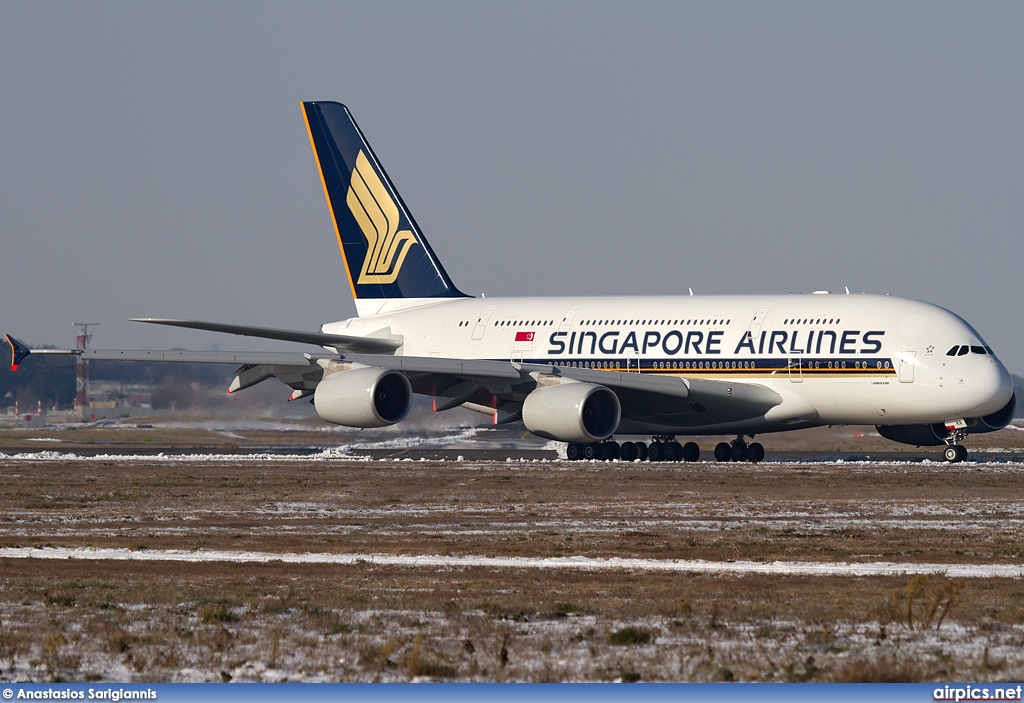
(164, 621)
(151, 621)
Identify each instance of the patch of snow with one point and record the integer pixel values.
(814, 568)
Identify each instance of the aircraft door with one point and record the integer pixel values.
(570, 315)
(755, 324)
(796, 370)
(481, 324)
(908, 360)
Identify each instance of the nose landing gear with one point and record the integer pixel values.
(954, 451)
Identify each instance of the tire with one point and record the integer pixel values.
(589, 451)
(602, 452)
(614, 450)
(723, 452)
(629, 452)
(656, 452)
(962, 452)
(673, 451)
(641, 451)
(574, 452)
(691, 452)
(755, 453)
(952, 454)
(738, 452)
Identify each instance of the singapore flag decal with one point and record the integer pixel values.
(524, 341)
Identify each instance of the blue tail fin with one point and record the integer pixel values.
(385, 253)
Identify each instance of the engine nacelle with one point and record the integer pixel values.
(572, 412)
(999, 419)
(935, 434)
(365, 397)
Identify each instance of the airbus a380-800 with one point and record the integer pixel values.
(588, 370)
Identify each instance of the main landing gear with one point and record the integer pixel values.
(664, 448)
(955, 452)
(739, 450)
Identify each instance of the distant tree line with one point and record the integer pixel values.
(51, 379)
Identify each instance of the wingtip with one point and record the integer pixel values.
(18, 351)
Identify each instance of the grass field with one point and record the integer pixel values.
(156, 621)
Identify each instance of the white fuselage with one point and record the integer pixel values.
(834, 359)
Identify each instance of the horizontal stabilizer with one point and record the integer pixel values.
(368, 345)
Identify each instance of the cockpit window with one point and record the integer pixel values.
(990, 352)
(963, 350)
(953, 350)
(978, 350)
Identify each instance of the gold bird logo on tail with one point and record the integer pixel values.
(377, 215)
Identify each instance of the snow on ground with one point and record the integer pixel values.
(465, 438)
(783, 568)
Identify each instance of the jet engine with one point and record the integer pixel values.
(935, 434)
(997, 420)
(572, 412)
(363, 397)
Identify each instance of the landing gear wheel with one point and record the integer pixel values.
(739, 451)
(589, 451)
(574, 452)
(962, 451)
(602, 452)
(673, 451)
(952, 453)
(691, 452)
(723, 452)
(641, 451)
(755, 453)
(656, 452)
(629, 452)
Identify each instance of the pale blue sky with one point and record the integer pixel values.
(154, 162)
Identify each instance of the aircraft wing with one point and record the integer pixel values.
(19, 351)
(669, 401)
(370, 345)
(299, 370)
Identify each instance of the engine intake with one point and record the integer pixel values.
(365, 397)
(999, 419)
(572, 412)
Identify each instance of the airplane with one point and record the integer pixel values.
(588, 370)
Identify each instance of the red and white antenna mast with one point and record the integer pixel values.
(82, 340)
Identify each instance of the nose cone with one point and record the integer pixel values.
(988, 386)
